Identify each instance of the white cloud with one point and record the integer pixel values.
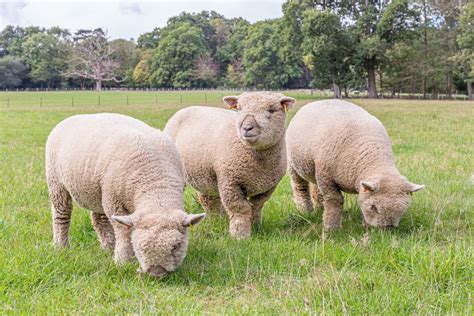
(10, 11)
(133, 8)
(125, 18)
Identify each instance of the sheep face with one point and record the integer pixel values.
(260, 120)
(160, 242)
(384, 200)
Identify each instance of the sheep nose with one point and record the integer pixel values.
(157, 271)
(247, 127)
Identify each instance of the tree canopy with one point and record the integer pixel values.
(382, 46)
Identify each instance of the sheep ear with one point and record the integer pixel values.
(231, 101)
(287, 103)
(368, 186)
(124, 220)
(193, 219)
(413, 187)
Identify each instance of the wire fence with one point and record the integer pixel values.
(149, 97)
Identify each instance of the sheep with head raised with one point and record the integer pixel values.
(130, 176)
(234, 159)
(339, 147)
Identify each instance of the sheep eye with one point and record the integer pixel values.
(374, 209)
(272, 110)
(175, 247)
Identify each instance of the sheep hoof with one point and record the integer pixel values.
(240, 227)
(60, 244)
(332, 227)
(303, 206)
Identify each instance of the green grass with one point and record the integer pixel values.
(424, 267)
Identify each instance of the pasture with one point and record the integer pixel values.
(425, 266)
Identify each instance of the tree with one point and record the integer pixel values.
(173, 64)
(263, 66)
(234, 76)
(149, 39)
(124, 54)
(378, 26)
(465, 40)
(327, 47)
(232, 51)
(46, 56)
(12, 72)
(291, 32)
(92, 57)
(206, 71)
(142, 71)
(12, 38)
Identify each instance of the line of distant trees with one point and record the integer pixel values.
(411, 46)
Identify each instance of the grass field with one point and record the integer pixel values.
(423, 267)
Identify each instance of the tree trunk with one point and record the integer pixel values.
(470, 91)
(98, 85)
(371, 80)
(449, 85)
(337, 90)
(381, 82)
(424, 87)
(346, 94)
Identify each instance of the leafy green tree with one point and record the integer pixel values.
(327, 47)
(142, 71)
(263, 66)
(12, 72)
(378, 26)
(149, 39)
(291, 32)
(173, 64)
(14, 37)
(234, 76)
(465, 40)
(232, 51)
(46, 56)
(124, 54)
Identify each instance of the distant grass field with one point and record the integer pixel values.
(423, 267)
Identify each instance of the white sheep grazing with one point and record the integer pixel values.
(339, 146)
(234, 157)
(130, 176)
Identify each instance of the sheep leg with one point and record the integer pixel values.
(332, 203)
(123, 244)
(301, 194)
(61, 208)
(211, 204)
(104, 230)
(316, 196)
(257, 202)
(238, 209)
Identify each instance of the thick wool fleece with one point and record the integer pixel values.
(119, 167)
(339, 146)
(227, 165)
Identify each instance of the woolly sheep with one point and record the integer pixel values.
(338, 146)
(235, 159)
(130, 176)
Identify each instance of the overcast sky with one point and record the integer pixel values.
(125, 18)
